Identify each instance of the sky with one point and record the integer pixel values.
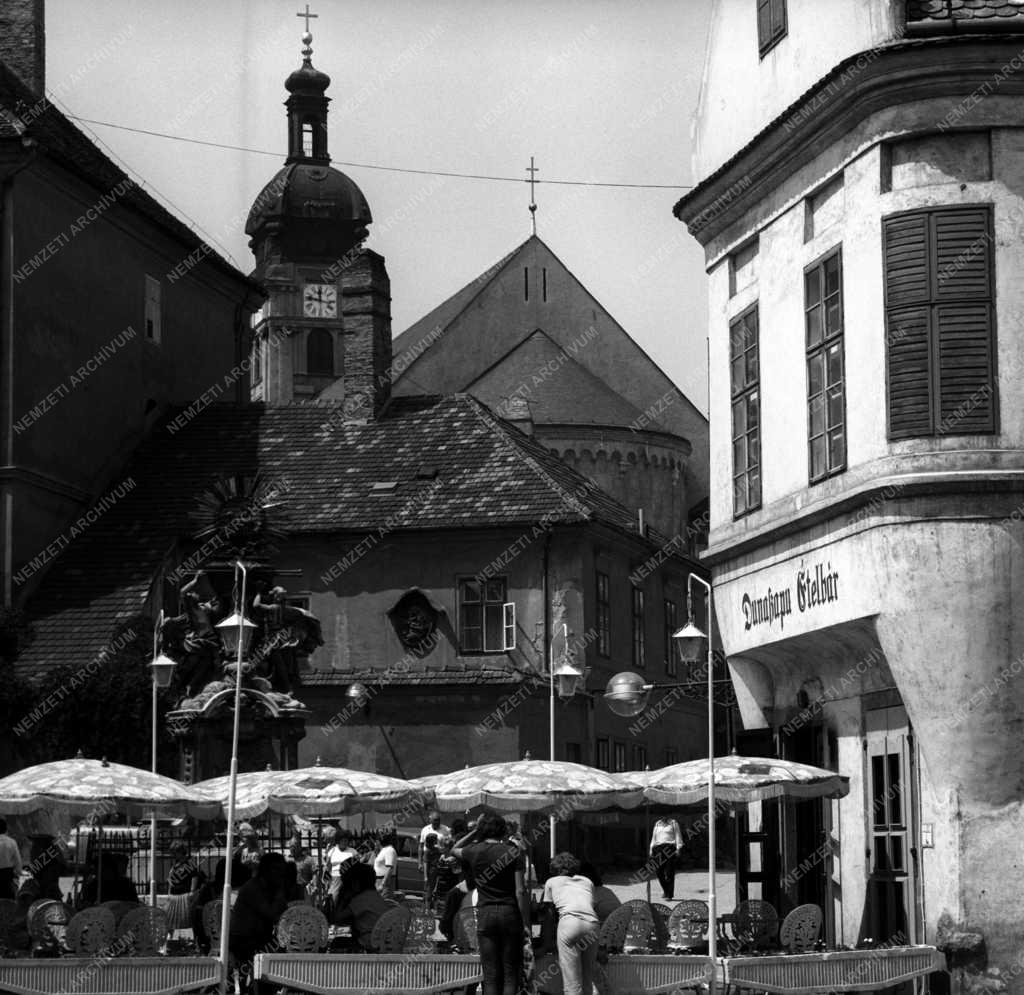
(596, 90)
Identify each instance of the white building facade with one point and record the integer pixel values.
(860, 200)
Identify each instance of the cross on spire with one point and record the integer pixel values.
(533, 170)
(307, 15)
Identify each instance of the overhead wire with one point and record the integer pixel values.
(388, 169)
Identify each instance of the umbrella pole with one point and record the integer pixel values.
(225, 920)
(647, 824)
(99, 863)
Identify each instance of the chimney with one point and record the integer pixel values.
(23, 42)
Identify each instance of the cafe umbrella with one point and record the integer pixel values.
(94, 788)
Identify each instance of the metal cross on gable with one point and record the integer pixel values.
(307, 15)
(533, 170)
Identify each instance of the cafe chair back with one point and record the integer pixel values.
(612, 938)
(47, 922)
(465, 930)
(801, 929)
(662, 913)
(142, 931)
(757, 924)
(388, 936)
(303, 930)
(91, 931)
(688, 925)
(640, 933)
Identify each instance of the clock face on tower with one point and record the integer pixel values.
(320, 300)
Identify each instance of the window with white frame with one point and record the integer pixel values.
(487, 619)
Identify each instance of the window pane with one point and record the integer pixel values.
(493, 619)
(835, 406)
(739, 455)
(470, 590)
(895, 790)
(754, 490)
(816, 407)
(472, 637)
(881, 854)
(739, 494)
(753, 448)
(814, 326)
(835, 364)
(831, 268)
(833, 317)
(495, 590)
(739, 418)
(752, 365)
(752, 410)
(815, 374)
(878, 808)
(836, 448)
(817, 457)
(812, 287)
(896, 852)
(738, 365)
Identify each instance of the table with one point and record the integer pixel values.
(833, 971)
(369, 974)
(114, 976)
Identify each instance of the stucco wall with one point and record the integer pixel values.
(741, 92)
(80, 300)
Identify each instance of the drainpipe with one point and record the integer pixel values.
(7, 363)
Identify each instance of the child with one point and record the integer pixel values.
(431, 855)
(448, 872)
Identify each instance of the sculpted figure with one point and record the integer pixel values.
(288, 632)
(192, 636)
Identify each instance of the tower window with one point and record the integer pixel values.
(307, 138)
(320, 353)
(544, 283)
(526, 283)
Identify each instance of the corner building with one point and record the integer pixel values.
(861, 206)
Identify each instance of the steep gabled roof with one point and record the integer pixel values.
(23, 115)
(451, 462)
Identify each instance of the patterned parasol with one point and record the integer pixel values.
(86, 787)
(742, 779)
(317, 790)
(535, 786)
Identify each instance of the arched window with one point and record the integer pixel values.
(307, 138)
(320, 353)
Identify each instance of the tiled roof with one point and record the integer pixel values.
(452, 462)
(23, 114)
(962, 10)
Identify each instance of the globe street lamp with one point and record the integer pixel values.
(627, 694)
(162, 669)
(566, 678)
(236, 633)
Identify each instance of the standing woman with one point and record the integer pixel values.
(666, 845)
(572, 895)
(502, 909)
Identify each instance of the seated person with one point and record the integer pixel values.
(259, 905)
(462, 895)
(364, 906)
(605, 900)
(116, 885)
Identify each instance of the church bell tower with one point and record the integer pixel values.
(325, 330)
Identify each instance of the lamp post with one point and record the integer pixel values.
(627, 694)
(565, 675)
(235, 632)
(162, 669)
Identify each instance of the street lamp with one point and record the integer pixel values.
(236, 633)
(162, 669)
(627, 694)
(566, 678)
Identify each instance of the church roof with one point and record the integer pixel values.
(23, 115)
(451, 462)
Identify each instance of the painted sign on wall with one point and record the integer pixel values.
(811, 587)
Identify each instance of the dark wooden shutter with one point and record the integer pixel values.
(939, 322)
(764, 24)
(966, 382)
(906, 260)
(910, 393)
